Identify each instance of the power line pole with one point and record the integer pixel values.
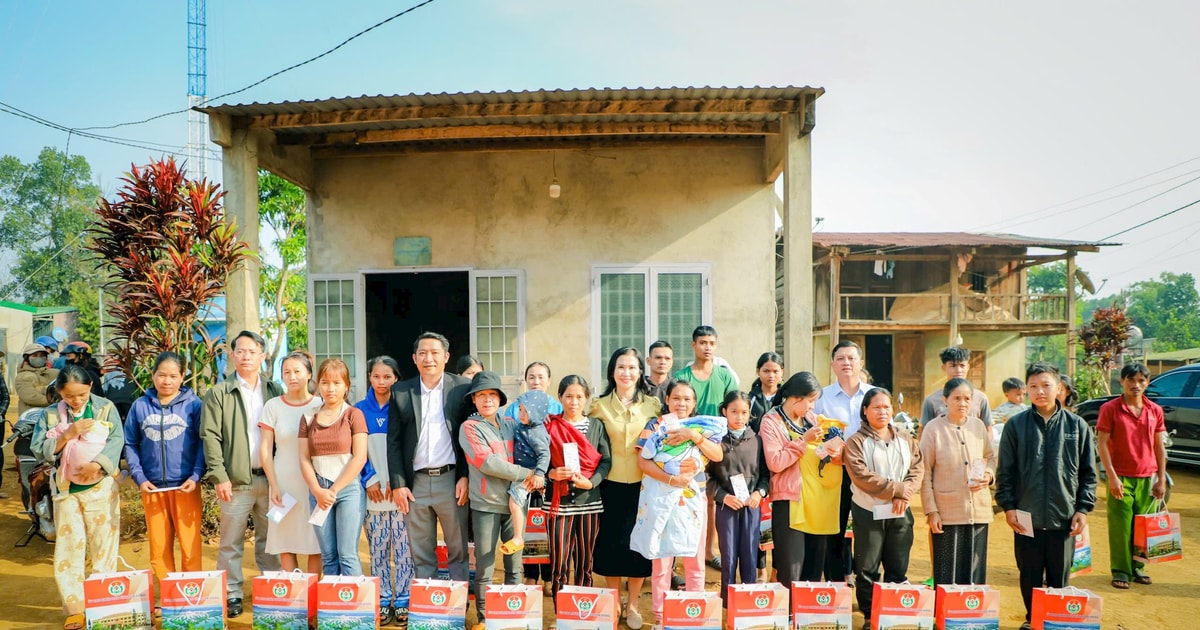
(197, 20)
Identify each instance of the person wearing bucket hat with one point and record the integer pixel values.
(531, 449)
(487, 441)
(32, 378)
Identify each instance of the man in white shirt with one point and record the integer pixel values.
(230, 433)
(843, 400)
(425, 461)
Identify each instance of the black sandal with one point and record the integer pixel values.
(1121, 584)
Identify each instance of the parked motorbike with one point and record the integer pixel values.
(36, 481)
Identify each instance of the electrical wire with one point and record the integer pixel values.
(137, 144)
(1134, 205)
(273, 74)
(1149, 221)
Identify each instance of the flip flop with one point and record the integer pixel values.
(509, 548)
(74, 622)
(1121, 584)
(1143, 579)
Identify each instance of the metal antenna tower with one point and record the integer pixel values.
(197, 148)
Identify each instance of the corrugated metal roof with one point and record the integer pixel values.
(529, 96)
(942, 239)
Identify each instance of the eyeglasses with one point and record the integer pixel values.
(246, 352)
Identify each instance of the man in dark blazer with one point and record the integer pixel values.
(425, 460)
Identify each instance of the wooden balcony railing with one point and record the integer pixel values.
(934, 308)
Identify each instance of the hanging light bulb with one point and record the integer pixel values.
(555, 189)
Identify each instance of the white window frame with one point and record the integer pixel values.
(651, 273)
(511, 380)
(359, 381)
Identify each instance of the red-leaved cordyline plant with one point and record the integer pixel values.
(167, 250)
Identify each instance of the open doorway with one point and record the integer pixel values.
(400, 306)
(878, 349)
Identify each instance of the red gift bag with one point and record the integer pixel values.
(437, 605)
(822, 605)
(513, 606)
(196, 598)
(537, 543)
(285, 599)
(1157, 537)
(757, 606)
(974, 606)
(692, 610)
(119, 600)
(345, 600)
(585, 608)
(902, 606)
(1066, 608)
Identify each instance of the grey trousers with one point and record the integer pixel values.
(434, 502)
(247, 501)
(490, 529)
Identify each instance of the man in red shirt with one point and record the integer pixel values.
(1130, 431)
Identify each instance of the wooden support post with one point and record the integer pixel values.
(953, 334)
(797, 244)
(835, 297)
(1071, 314)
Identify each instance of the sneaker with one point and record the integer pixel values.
(633, 618)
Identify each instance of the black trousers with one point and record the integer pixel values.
(839, 560)
(1043, 560)
(959, 555)
(819, 559)
(886, 542)
(788, 555)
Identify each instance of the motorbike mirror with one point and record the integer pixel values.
(900, 398)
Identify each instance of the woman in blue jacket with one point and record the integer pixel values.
(166, 461)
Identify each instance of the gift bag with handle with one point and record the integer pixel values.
(194, 600)
(757, 606)
(586, 608)
(124, 599)
(766, 539)
(437, 605)
(1157, 537)
(513, 606)
(537, 543)
(1066, 609)
(284, 599)
(902, 606)
(700, 610)
(443, 558)
(347, 602)
(1081, 560)
(822, 605)
(967, 606)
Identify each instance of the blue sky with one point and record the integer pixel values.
(939, 115)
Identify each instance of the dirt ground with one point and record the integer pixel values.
(29, 597)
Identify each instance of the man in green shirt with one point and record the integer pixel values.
(710, 381)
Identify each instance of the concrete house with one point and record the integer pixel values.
(546, 225)
(904, 296)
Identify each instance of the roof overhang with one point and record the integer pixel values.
(895, 243)
(529, 119)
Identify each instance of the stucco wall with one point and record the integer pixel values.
(491, 210)
(1005, 358)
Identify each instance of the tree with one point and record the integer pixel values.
(45, 207)
(168, 250)
(1103, 340)
(1167, 309)
(1052, 279)
(283, 287)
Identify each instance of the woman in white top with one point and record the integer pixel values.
(280, 451)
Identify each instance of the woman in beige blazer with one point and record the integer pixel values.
(959, 467)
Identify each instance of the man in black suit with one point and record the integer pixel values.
(427, 466)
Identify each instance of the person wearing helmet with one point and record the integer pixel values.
(80, 353)
(32, 378)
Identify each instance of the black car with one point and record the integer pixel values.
(1178, 392)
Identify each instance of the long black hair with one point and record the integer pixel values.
(640, 385)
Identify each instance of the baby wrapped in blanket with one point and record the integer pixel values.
(670, 458)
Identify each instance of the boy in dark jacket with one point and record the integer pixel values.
(737, 485)
(1047, 474)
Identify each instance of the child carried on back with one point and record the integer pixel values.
(531, 449)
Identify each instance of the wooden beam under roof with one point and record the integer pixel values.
(585, 108)
(531, 144)
(542, 130)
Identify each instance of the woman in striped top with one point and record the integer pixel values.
(576, 504)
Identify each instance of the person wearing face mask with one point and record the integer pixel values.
(32, 378)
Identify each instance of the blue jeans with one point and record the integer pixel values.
(343, 527)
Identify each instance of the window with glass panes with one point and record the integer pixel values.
(638, 305)
(497, 325)
(333, 333)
